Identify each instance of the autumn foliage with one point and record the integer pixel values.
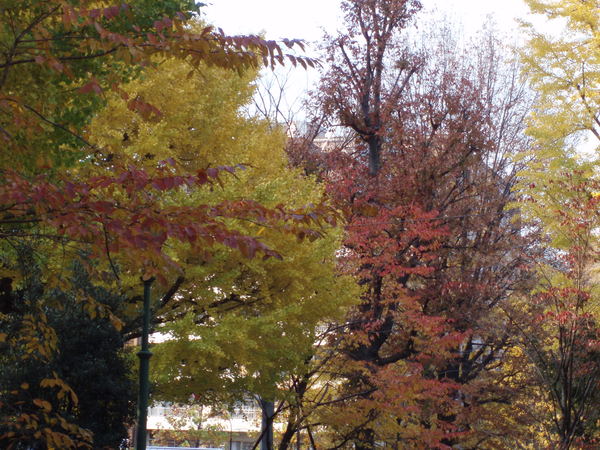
(59, 191)
(424, 278)
(425, 185)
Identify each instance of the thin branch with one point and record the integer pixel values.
(57, 125)
(172, 291)
(110, 261)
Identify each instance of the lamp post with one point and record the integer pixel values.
(230, 432)
(144, 354)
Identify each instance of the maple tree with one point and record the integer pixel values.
(559, 326)
(424, 185)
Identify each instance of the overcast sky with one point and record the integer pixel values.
(306, 19)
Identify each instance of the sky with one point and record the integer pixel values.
(306, 19)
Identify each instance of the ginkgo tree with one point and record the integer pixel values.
(562, 67)
(254, 317)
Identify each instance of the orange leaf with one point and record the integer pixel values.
(46, 406)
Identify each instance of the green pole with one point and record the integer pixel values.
(144, 354)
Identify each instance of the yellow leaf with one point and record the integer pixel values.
(24, 386)
(116, 322)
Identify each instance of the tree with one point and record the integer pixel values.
(360, 94)
(89, 358)
(563, 69)
(238, 325)
(559, 193)
(62, 58)
(208, 46)
(560, 329)
(424, 186)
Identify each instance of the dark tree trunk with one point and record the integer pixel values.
(374, 155)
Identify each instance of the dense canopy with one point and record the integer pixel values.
(412, 263)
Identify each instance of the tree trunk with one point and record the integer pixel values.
(288, 435)
(266, 442)
(374, 154)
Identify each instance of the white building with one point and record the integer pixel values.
(230, 430)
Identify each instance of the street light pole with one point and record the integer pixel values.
(144, 354)
(230, 433)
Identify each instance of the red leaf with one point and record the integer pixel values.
(111, 12)
(94, 13)
(201, 177)
(91, 86)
